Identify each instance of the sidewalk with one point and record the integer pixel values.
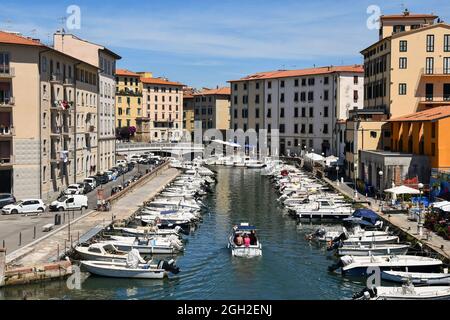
(433, 241)
(48, 249)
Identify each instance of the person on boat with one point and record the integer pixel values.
(253, 238)
(247, 241)
(239, 240)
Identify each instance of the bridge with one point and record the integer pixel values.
(164, 149)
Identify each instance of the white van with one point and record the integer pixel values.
(70, 202)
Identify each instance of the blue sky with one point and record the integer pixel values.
(205, 42)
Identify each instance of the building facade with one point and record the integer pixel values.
(188, 112)
(48, 103)
(128, 98)
(105, 60)
(212, 108)
(306, 105)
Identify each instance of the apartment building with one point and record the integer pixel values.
(212, 108)
(128, 98)
(105, 60)
(48, 107)
(407, 70)
(163, 106)
(307, 106)
(188, 111)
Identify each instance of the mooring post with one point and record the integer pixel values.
(2, 266)
(34, 232)
(57, 252)
(20, 238)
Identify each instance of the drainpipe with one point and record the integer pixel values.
(75, 122)
(40, 122)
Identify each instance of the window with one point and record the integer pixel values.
(235, 100)
(446, 65)
(296, 82)
(295, 128)
(311, 112)
(303, 82)
(446, 90)
(326, 80)
(310, 96)
(355, 80)
(303, 96)
(269, 113)
(325, 112)
(257, 99)
(429, 67)
(433, 130)
(257, 85)
(282, 128)
(325, 95)
(373, 134)
(269, 98)
(430, 43)
(429, 91)
(304, 112)
(235, 86)
(402, 89)
(296, 97)
(282, 83)
(269, 85)
(296, 112)
(303, 129)
(245, 86)
(399, 28)
(311, 81)
(403, 46)
(282, 97)
(281, 112)
(235, 113)
(355, 95)
(447, 43)
(257, 113)
(311, 130)
(403, 63)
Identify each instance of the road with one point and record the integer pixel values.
(19, 230)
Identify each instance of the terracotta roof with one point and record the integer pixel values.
(188, 96)
(210, 92)
(160, 81)
(12, 38)
(409, 16)
(301, 72)
(426, 115)
(124, 72)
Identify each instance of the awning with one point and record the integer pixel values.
(402, 190)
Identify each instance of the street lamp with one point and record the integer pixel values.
(381, 183)
(355, 167)
(420, 224)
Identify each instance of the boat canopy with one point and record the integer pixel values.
(245, 228)
(367, 216)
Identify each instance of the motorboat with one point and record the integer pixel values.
(134, 267)
(373, 249)
(254, 164)
(101, 252)
(405, 292)
(149, 231)
(358, 266)
(366, 218)
(152, 245)
(236, 241)
(322, 209)
(417, 278)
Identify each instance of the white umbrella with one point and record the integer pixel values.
(402, 190)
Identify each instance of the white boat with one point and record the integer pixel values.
(149, 231)
(357, 240)
(241, 250)
(133, 267)
(358, 266)
(417, 278)
(101, 252)
(153, 245)
(322, 208)
(405, 292)
(373, 249)
(254, 164)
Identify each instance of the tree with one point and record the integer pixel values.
(132, 130)
(124, 133)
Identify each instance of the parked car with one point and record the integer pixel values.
(143, 159)
(69, 202)
(102, 178)
(122, 163)
(25, 206)
(74, 189)
(134, 158)
(91, 181)
(86, 187)
(6, 198)
(110, 175)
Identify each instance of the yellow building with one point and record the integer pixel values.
(128, 98)
(212, 108)
(406, 70)
(188, 111)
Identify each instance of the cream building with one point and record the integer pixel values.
(406, 70)
(48, 106)
(306, 106)
(212, 108)
(188, 112)
(105, 60)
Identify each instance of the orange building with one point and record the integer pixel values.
(424, 133)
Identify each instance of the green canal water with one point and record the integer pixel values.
(290, 267)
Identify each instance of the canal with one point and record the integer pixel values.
(290, 267)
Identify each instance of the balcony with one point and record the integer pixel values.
(7, 72)
(56, 78)
(7, 102)
(56, 130)
(69, 82)
(435, 72)
(435, 100)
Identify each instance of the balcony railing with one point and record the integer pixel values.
(6, 72)
(6, 160)
(435, 71)
(69, 81)
(6, 130)
(56, 77)
(7, 102)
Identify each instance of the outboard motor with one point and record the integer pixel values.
(365, 294)
(336, 266)
(169, 266)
